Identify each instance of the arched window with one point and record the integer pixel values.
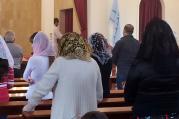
(148, 10)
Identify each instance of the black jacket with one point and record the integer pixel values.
(123, 53)
(105, 70)
(151, 93)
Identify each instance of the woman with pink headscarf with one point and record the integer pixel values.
(38, 64)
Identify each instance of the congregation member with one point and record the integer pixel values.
(108, 47)
(56, 35)
(16, 52)
(152, 86)
(32, 37)
(75, 78)
(103, 58)
(39, 63)
(94, 115)
(123, 54)
(6, 73)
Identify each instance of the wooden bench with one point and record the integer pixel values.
(116, 93)
(21, 84)
(18, 90)
(17, 97)
(113, 93)
(18, 93)
(19, 80)
(107, 102)
(111, 112)
(15, 107)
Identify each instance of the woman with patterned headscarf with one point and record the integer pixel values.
(75, 78)
(102, 58)
(39, 63)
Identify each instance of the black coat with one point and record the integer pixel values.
(105, 70)
(151, 93)
(123, 54)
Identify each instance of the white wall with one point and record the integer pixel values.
(171, 15)
(97, 16)
(99, 12)
(47, 16)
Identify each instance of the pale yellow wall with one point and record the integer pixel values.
(98, 15)
(27, 16)
(47, 13)
(21, 16)
(66, 4)
(171, 15)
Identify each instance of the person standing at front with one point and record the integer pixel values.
(123, 54)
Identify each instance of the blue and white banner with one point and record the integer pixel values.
(115, 19)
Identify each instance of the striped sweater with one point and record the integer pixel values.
(6, 82)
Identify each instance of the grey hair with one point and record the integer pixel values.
(9, 36)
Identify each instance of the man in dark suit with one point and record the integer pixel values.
(123, 54)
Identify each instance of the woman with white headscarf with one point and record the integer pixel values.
(38, 64)
(6, 73)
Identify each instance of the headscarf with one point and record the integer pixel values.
(42, 46)
(99, 49)
(73, 46)
(5, 53)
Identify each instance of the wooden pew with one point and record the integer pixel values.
(113, 102)
(18, 90)
(112, 80)
(21, 84)
(117, 112)
(113, 93)
(107, 102)
(19, 80)
(116, 93)
(15, 116)
(16, 95)
(15, 107)
(111, 112)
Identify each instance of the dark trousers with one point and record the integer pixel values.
(3, 116)
(17, 73)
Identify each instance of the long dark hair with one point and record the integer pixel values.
(51, 60)
(159, 47)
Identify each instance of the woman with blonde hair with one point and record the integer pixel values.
(75, 78)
